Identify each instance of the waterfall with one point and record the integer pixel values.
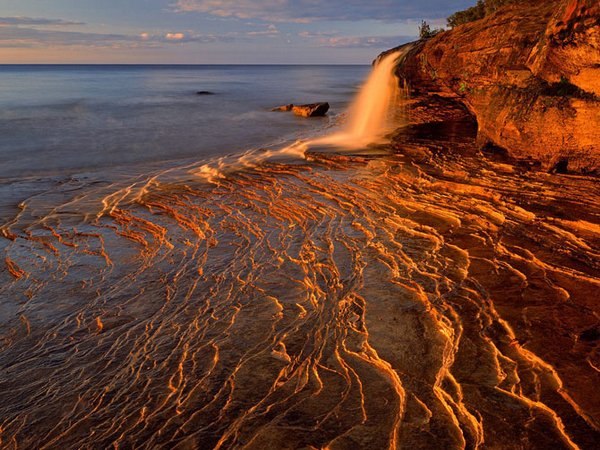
(372, 113)
(375, 110)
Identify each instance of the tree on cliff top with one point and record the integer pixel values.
(468, 15)
(426, 32)
(479, 11)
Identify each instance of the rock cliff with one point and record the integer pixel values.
(529, 74)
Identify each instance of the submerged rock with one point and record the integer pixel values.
(311, 110)
(529, 74)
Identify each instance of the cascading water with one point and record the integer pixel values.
(374, 112)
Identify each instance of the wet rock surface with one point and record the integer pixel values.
(434, 297)
(308, 110)
(311, 110)
(283, 108)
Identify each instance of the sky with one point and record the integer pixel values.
(211, 31)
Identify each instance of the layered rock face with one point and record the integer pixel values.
(530, 74)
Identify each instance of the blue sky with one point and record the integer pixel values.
(211, 31)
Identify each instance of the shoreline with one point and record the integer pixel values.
(417, 293)
(405, 269)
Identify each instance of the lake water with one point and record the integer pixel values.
(61, 119)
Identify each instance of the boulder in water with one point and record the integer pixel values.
(311, 110)
(283, 108)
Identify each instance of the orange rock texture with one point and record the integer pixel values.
(529, 74)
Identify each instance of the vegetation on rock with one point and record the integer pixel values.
(479, 11)
(468, 15)
(426, 32)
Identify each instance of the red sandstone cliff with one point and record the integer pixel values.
(530, 74)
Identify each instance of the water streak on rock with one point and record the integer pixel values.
(340, 303)
(431, 298)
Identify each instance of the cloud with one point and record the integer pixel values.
(29, 21)
(305, 11)
(271, 30)
(316, 34)
(15, 37)
(362, 41)
(175, 36)
(11, 36)
(28, 32)
(189, 36)
(334, 40)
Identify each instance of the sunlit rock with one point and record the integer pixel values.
(311, 110)
(528, 73)
(283, 108)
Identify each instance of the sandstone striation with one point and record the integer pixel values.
(529, 74)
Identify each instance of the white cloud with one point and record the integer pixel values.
(269, 10)
(175, 36)
(305, 11)
(316, 34)
(361, 41)
(13, 37)
(271, 30)
(333, 39)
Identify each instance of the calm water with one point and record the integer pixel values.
(60, 119)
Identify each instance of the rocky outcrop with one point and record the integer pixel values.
(529, 74)
(283, 108)
(310, 110)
